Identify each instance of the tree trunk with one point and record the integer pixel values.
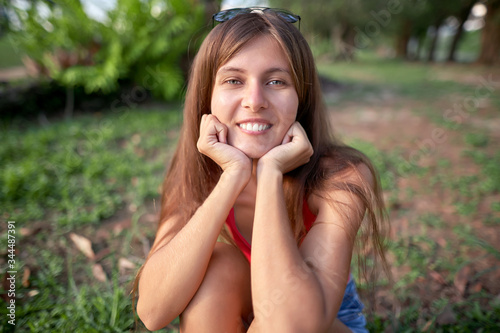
(490, 37)
(402, 40)
(345, 46)
(432, 56)
(462, 17)
(421, 41)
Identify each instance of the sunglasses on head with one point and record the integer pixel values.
(228, 14)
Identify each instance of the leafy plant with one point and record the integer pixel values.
(144, 41)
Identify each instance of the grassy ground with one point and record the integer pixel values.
(83, 194)
(441, 121)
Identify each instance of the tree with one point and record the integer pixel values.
(490, 36)
(411, 23)
(343, 23)
(462, 16)
(4, 18)
(142, 41)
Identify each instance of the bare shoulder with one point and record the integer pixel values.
(342, 192)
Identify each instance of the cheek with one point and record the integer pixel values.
(293, 107)
(291, 115)
(219, 107)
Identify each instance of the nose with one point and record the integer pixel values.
(254, 97)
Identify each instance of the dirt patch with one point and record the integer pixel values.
(425, 207)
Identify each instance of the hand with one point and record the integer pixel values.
(213, 143)
(294, 151)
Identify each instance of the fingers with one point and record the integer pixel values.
(213, 143)
(294, 151)
(212, 129)
(221, 132)
(289, 134)
(297, 134)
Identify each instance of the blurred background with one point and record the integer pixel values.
(91, 97)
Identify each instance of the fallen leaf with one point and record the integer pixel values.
(437, 277)
(476, 287)
(26, 276)
(442, 242)
(122, 225)
(33, 230)
(124, 264)
(25, 232)
(83, 244)
(461, 279)
(101, 254)
(99, 273)
(427, 326)
(33, 292)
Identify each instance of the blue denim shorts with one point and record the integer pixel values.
(350, 312)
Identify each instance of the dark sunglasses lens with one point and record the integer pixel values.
(291, 18)
(226, 15)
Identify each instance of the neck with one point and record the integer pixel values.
(254, 169)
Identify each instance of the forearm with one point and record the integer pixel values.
(284, 289)
(173, 273)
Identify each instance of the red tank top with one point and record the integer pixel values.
(243, 244)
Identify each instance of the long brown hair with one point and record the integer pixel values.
(192, 175)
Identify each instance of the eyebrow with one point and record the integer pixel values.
(225, 69)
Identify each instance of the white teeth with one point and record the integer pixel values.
(255, 127)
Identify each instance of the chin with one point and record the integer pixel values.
(254, 153)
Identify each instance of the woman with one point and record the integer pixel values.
(257, 170)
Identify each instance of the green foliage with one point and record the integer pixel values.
(9, 57)
(82, 173)
(145, 41)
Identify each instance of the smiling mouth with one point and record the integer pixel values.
(254, 127)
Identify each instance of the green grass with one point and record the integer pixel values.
(82, 172)
(73, 175)
(51, 306)
(376, 79)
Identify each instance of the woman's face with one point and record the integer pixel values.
(255, 97)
